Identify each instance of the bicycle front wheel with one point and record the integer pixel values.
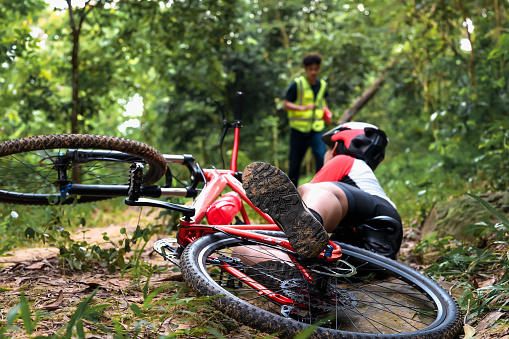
(364, 295)
(42, 170)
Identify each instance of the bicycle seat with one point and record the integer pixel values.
(381, 234)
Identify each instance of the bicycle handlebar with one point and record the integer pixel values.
(197, 176)
(238, 106)
(196, 172)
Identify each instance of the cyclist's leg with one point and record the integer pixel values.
(362, 206)
(273, 192)
(328, 200)
(251, 255)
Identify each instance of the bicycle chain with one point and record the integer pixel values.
(344, 298)
(287, 286)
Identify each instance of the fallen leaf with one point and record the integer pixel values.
(469, 331)
(52, 282)
(36, 266)
(54, 305)
(172, 277)
(18, 281)
(135, 300)
(119, 283)
(488, 320)
(188, 327)
(90, 284)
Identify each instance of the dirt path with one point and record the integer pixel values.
(50, 287)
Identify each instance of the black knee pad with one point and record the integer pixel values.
(382, 235)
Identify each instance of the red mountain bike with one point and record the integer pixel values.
(346, 292)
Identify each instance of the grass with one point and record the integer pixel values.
(144, 309)
(478, 275)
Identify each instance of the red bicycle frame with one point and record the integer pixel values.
(216, 182)
(192, 225)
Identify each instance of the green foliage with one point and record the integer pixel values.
(444, 108)
(54, 225)
(78, 253)
(445, 114)
(146, 318)
(22, 310)
(463, 264)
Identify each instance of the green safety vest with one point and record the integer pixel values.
(305, 121)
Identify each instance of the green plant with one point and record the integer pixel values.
(434, 245)
(22, 310)
(467, 265)
(79, 253)
(150, 317)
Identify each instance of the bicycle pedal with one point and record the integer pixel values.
(169, 249)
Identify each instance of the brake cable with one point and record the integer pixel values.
(226, 126)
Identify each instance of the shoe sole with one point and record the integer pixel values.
(270, 190)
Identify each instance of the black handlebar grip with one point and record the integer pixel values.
(238, 106)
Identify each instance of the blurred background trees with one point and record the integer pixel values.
(152, 71)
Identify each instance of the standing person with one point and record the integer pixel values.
(344, 198)
(305, 103)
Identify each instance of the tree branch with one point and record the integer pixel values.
(497, 17)
(286, 40)
(71, 15)
(85, 13)
(366, 95)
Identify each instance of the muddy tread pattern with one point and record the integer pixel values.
(154, 159)
(157, 164)
(273, 192)
(271, 323)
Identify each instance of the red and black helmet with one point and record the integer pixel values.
(359, 140)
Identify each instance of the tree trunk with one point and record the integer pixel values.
(76, 31)
(366, 96)
(75, 83)
(363, 100)
(472, 54)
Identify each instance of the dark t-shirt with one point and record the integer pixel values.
(291, 93)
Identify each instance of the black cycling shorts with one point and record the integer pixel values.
(363, 206)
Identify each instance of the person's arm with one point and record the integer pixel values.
(289, 101)
(290, 106)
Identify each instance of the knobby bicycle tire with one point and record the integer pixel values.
(384, 299)
(28, 174)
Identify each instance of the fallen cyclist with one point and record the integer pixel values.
(344, 198)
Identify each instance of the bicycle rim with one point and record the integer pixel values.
(29, 174)
(382, 299)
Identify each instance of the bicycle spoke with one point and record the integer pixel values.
(381, 297)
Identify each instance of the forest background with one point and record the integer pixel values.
(152, 71)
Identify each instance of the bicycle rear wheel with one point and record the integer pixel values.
(382, 299)
(42, 170)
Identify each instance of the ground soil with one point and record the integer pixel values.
(53, 288)
(50, 286)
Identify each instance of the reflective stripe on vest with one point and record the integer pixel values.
(305, 121)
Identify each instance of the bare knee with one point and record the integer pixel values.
(328, 200)
(306, 188)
